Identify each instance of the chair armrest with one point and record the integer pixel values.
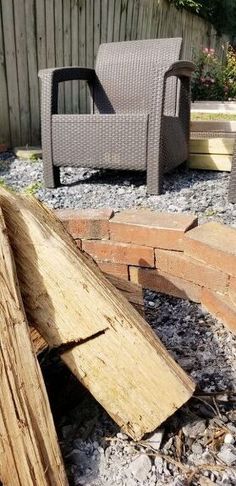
(67, 74)
(181, 69)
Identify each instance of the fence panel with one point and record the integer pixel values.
(36, 34)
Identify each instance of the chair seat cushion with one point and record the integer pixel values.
(116, 141)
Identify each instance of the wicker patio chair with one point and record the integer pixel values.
(139, 117)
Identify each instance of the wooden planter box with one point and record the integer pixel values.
(212, 145)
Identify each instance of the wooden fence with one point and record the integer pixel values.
(35, 34)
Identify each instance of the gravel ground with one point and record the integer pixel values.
(201, 192)
(197, 446)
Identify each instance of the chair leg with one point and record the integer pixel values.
(51, 176)
(154, 183)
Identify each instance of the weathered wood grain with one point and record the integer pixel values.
(29, 452)
(102, 338)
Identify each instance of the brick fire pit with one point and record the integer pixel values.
(164, 252)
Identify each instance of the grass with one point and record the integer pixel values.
(212, 116)
(33, 188)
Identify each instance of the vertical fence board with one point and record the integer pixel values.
(129, 19)
(75, 53)
(123, 19)
(82, 54)
(50, 39)
(67, 53)
(110, 20)
(33, 70)
(135, 19)
(117, 15)
(41, 33)
(89, 44)
(11, 70)
(140, 20)
(22, 70)
(59, 50)
(5, 136)
(104, 11)
(97, 27)
(35, 34)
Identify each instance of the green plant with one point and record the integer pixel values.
(33, 188)
(230, 73)
(208, 78)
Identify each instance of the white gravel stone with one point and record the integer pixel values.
(227, 454)
(140, 467)
(229, 439)
(156, 439)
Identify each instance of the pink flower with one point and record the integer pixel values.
(206, 50)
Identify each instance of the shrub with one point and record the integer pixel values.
(212, 79)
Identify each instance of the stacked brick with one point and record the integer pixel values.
(165, 252)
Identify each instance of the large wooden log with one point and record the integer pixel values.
(101, 337)
(29, 452)
(132, 292)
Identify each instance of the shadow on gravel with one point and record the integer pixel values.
(178, 179)
(204, 349)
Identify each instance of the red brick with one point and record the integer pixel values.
(117, 269)
(86, 223)
(149, 228)
(110, 251)
(220, 307)
(165, 283)
(177, 264)
(214, 244)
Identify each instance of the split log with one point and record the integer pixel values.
(29, 452)
(101, 337)
(132, 292)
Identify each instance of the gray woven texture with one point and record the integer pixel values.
(140, 112)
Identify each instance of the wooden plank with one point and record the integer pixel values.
(29, 450)
(210, 162)
(62, 287)
(104, 13)
(123, 19)
(50, 34)
(59, 46)
(135, 20)
(132, 292)
(110, 20)
(41, 34)
(140, 20)
(129, 20)
(96, 27)
(22, 69)
(89, 45)
(117, 15)
(213, 126)
(75, 53)
(28, 153)
(32, 71)
(82, 55)
(212, 146)
(67, 53)
(11, 70)
(89, 34)
(5, 136)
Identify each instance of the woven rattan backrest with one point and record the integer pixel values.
(125, 73)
